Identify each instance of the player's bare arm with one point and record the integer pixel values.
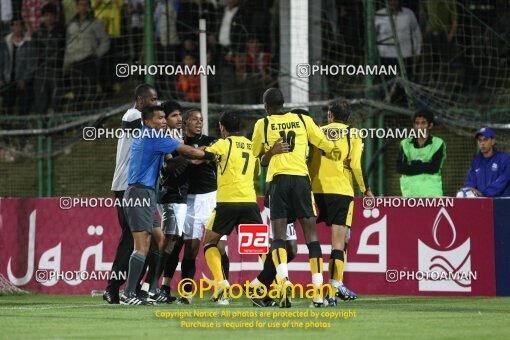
(195, 153)
(277, 148)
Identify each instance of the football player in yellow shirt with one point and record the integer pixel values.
(333, 188)
(236, 198)
(290, 193)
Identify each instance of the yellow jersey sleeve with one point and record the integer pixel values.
(218, 148)
(355, 163)
(258, 139)
(317, 137)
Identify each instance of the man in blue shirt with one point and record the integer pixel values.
(147, 156)
(489, 175)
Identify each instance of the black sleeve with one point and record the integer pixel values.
(419, 167)
(134, 124)
(434, 165)
(402, 163)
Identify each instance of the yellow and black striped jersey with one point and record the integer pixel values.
(236, 169)
(296, 130)
(335, 176)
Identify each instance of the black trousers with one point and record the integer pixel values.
(124, 249)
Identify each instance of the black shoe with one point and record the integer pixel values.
(255, 298)
(166, 290)
(159, 296)
(147, 297)
(345, 294)
(269, 302)
(132, 299)
(286, 295)
(111, 298)
(184, 301)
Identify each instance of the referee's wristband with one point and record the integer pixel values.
(209, 156)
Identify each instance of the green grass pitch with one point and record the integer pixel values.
(65, 316)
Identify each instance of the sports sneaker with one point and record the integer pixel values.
(221, 287)
(111, 297)
(317, 302)
(147, 297)
(345, 294)
(166, 290)
(255, 298)
(184, 301)
(132, 299)
(223, 301)
(159, 296)
(269, 302)
(330, 302)
(286, 294)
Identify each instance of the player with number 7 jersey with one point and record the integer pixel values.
(236, 197)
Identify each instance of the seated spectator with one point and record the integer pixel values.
(189, 85)
(17, 66)
(489, 175)
(420, 160)
(86, 42)
(49, 42)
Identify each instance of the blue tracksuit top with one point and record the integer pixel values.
(490, 175)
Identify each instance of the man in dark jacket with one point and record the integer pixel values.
(489, 175)
(50, 42)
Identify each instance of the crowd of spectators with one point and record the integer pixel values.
(63, 52)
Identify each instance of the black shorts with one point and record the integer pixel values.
(139, 216)
(228, 215)
(291, 197)
(335, 209)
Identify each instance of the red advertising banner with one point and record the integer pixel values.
(413, 247)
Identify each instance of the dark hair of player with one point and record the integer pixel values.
(148, 112)
(428, 115)
(341, 110)
(186, 114)
(143, 90)
(171, 106)
(273, 98)
(230, 121)
(300, 112)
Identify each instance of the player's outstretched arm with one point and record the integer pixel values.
(194, 153)
(276, 149)
(317, 138)
(172, 163)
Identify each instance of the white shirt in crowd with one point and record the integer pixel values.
(226, 22)
(5, 10)
(132, 119)
(408, 33)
